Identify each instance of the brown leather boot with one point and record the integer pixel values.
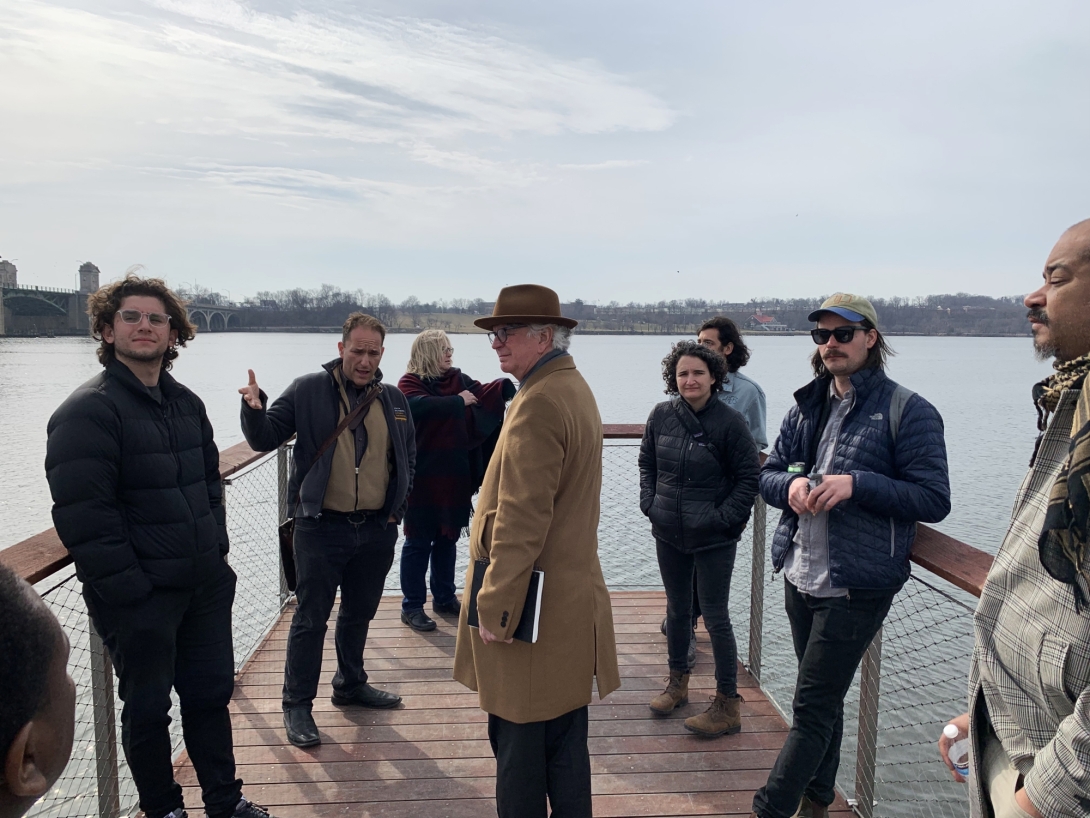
(719, 719)
(675, 695)
(811, 809)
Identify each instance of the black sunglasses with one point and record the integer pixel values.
(843, 335)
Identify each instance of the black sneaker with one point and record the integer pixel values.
(248, 809)
(418, 620)
(452, 608)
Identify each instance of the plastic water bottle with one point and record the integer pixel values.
(959, 748)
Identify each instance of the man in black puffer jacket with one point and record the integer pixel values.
(134, 474)
(858, 462)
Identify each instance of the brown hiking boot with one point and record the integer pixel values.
(722, 717)
(675, 695)
(811, 809)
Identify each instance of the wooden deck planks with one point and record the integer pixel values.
(431, 756)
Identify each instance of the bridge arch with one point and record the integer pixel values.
(233, 321)
(199, 319)
(216, 322)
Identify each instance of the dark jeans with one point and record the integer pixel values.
(713, 567)
(539, 760)
(416, 552)
(830, 635)
(332, 550)
(178, 638)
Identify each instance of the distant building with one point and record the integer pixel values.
(8, 274)
(88, 277)
(766, 323)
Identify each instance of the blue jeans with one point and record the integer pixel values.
(830, 636)
(332, 551)
(416, 553)
(713, 568)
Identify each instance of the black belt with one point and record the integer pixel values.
(355, 517)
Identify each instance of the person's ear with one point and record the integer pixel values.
(728, 349)
(872, 338)
(22, 777)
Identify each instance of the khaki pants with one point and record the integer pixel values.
(1000, 779)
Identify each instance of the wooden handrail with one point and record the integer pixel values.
(956, 562)
(42, 555)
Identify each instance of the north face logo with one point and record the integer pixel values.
(876, 416)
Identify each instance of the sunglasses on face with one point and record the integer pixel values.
(843, 335)
(156, 319)
(448, 350)
(502, 333)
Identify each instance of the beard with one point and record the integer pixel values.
(146, 355)
(1043, 350)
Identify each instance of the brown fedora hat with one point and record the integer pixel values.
(526, 304)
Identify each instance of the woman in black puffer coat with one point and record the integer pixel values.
(698, 478)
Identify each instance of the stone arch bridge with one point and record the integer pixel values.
(213, 318)
(40, 311)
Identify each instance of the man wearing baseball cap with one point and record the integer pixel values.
(859, 460)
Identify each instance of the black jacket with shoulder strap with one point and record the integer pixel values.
(696, 499)
(310, 409)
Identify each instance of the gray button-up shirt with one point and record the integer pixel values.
(807, 563)
(742, 394)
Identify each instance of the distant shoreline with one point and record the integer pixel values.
(407, 331)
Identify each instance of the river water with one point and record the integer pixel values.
(980, 385)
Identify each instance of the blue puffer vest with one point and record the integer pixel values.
(894, 485)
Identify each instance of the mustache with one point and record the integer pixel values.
(1038, 316)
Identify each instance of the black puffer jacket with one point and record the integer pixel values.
(137, 499)
(695, 501)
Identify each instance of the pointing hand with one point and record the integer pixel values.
(251, 392)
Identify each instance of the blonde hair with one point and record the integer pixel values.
(426, 355)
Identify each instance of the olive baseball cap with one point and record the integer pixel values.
(846, 305)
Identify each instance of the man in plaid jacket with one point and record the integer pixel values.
(1029, 683)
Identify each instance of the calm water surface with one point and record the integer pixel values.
(980, 385)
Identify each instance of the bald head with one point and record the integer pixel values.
(1059, 311)
(1080, 234)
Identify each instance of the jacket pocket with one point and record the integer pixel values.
(481, 543)
(1064, 670)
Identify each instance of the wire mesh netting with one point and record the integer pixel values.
(252, 517)
(925, 648)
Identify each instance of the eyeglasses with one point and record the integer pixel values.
(502, 333)
(448, 350)
(156, 319)
(843, 335)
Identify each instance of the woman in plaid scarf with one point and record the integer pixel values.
(457, 422)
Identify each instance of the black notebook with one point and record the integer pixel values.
(531, 611)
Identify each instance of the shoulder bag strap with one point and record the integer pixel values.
(696, 428)
(329, 441)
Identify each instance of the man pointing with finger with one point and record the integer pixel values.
(858, 462)
(352, 470)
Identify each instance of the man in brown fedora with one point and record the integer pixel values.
(538, 508)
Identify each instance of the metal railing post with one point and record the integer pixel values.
(282, 512)
(102, 697)
(757, 588)
(870, 680)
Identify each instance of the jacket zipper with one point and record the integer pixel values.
(892, 538)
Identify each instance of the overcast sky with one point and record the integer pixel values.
(614, 150)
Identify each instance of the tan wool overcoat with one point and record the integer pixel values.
(538, 507)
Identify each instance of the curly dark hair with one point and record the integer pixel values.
(717, 364)
(103, 304)
(729, 334)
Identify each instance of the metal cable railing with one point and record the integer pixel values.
(913, 679)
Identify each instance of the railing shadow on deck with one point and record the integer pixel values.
(913, 676)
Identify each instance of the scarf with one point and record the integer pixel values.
(1065, 536)
(454, 443)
